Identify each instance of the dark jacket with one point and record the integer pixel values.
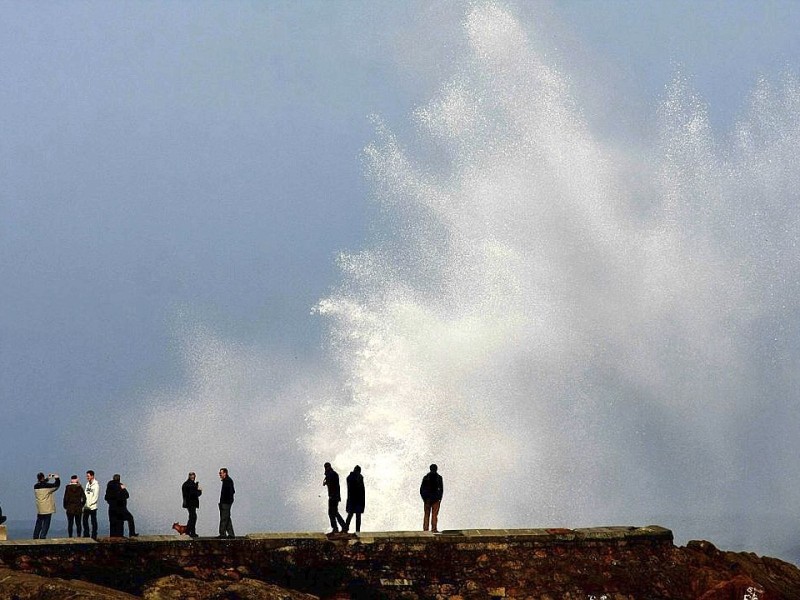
(332, 483)
(74, 498)
(355, 493)
(227, 491)
(432, 487)
(116, 496)
(191, 495)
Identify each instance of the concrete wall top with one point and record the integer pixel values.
(541, 536)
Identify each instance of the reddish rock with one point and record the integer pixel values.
(26, 586)
(740, 587)
(179, 588)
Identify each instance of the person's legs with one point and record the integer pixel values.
(358, 522)
(192, 522)
(427, 515)
(334, 516)
(339, 518)
(127, 516)
(86, 522)
(116, 524)
(435, 515)
(45, 525)
(333, 507)
(347, 521)
(70, 520)
(223, 519)
(225, 523)
(37, 529)
(78, 527)
(229, 527)
(93, 514)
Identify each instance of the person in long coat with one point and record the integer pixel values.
(355, 497)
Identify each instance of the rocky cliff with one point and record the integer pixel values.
(609, 563)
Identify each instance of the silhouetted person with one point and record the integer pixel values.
(355, 498)
(45, 493)
(74, 500)
(2, 516)
(331, 481)
(92, 492)
(225, 502)
(431, 489)
(191, 501)
(117, 498)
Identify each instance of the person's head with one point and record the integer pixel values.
(116, 477)
(192, 475)
(328, 467)
(357, 469)
(73, 479)
(223, 473)
(90, 476)
(40, 477)
(434, 468)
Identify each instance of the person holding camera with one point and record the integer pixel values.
(45, 493)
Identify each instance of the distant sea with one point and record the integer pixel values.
(20, 529)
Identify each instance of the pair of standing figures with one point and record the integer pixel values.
(191, 492)
(356, 498)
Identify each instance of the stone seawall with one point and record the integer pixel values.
(612, 562)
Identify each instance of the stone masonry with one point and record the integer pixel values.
(611, 563)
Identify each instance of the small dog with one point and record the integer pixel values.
(181, 529)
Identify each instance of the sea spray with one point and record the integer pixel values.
(575, 335)
(565, 356)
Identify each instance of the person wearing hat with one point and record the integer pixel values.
(74, 501)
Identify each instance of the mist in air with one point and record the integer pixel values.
(578, 334)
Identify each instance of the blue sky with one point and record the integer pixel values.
(174, 162)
